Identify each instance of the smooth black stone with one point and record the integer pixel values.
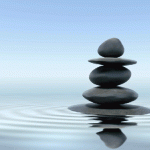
(117, 95)
(109, 76)
(113, 138)
(124, 109)
(113, 61)
(111, 48)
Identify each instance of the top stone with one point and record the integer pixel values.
(111, 48)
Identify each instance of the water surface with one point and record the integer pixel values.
(45, 122)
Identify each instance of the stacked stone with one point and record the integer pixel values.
(110, 75)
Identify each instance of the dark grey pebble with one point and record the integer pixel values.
(109, 96)
(109, 76)
(113, 61)
(111, 48)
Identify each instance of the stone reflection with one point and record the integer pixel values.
(111, 134)
(113, 138)
(112, 122)
(111, 119)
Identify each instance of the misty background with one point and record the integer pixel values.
(45, 45)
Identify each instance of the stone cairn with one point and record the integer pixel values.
(110, 75)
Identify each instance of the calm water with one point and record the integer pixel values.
(44, 122)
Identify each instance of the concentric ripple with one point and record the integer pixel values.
(40, 119)
(22, 121)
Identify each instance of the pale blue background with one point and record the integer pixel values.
(44, 48)
(45, 44)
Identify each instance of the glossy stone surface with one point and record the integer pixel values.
(117, 95)
(112, 61)
(111, 48)
(109, 76)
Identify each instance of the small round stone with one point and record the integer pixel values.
(111, 48)
(113, 61)
(117, 95)
(109, 76)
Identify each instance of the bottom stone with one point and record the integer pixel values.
(116, 95)
(96, 109)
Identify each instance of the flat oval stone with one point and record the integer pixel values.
(111, 48)
(117, 95)
(113, 61)
(109, 76)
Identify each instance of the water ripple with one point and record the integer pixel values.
(44, 119)
(40, 119)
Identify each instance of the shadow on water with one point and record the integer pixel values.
(113, 138)
(112, 135)
(111, 120)
(123, 109)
